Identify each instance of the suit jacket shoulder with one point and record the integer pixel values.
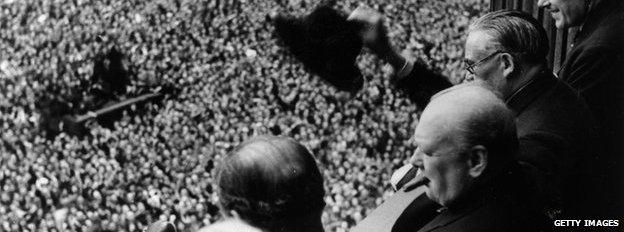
(488, 212)
(558, 137)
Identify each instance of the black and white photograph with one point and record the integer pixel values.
(311, 115)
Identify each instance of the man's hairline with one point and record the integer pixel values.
(490, 46)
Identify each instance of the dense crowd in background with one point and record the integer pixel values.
(234, 81)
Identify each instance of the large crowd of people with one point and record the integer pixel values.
(235, 82)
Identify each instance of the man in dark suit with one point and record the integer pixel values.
(507, 50)
(467, 142)
(595, 68)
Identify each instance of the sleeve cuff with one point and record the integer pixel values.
(405, 70)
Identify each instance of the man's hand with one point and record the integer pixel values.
(407, 177)
(402, 176)
(373, 32)
(374, 35)
(419, 180)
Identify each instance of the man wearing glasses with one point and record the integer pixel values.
(506, 50)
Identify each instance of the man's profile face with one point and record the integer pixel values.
(480, 51)
(566, 13)
(439, 156)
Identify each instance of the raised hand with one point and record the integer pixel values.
(373, 32)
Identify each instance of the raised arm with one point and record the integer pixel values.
(412, 78)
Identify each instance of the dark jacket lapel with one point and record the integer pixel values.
(450, 215)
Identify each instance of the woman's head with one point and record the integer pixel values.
(272, 183)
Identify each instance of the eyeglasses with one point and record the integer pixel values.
(470, 67)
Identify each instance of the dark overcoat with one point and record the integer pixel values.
(595, 68)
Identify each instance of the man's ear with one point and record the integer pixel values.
(477, 160)
(508, 64)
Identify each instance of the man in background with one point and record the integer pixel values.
(595, 69)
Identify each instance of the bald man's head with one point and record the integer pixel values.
(479, 115)
(465, 133)
(271, 182)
